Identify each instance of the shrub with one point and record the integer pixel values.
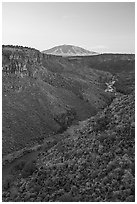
(102, 123)
(7, 182)
(28, 169)
(19, 165)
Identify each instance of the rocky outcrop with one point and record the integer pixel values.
(110, 85)
(21, 61)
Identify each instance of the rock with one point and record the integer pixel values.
(133, 124)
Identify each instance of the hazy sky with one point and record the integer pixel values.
(104, 27)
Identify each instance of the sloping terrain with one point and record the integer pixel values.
(44, 95)
(93, 162)
(125, 82)
(113, 63)
(68, 50)
(72, 121)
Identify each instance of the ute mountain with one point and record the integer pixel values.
(69, 50)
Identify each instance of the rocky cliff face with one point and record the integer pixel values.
(20, 60)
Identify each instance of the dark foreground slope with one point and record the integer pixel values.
(92, 162)
(43, 95)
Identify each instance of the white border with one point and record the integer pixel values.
(1, 77)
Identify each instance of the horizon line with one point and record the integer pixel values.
(105, 52)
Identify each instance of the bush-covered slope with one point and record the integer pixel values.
(93, 162)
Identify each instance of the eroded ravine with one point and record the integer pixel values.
(29, 154)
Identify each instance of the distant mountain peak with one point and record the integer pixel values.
(69, 50)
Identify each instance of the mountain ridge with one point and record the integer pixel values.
(69, 50)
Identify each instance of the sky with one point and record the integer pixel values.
(100, 27)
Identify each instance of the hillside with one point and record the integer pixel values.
(43, 95)
(69, 50)
(68, 126)
(93, 162)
